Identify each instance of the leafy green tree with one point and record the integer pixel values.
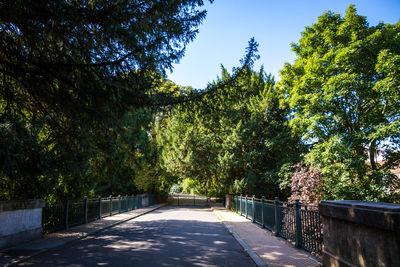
(237, 142)
(343, 91)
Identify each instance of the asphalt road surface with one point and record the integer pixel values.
(171, 236)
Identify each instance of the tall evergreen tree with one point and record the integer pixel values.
(238, 142)
(69, 71)
(71, 75)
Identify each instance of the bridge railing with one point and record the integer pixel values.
(177, 199)
(62, 215)
(296, 222)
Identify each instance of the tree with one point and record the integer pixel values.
(69, 70)
(123, 154)
(238, 142)
(306, 185)
(343, 90)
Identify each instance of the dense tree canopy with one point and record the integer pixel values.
(85, 107)
(70, 70)
(238, 142)
(80, 82)
(88, 61)
(344, 93)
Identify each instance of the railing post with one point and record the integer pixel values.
(277, 217)
(66, 213)
(253, 208)
(85, 209)
(178, 200)
(110, 205)
(194, 200)
(133, 201)
(262, 212)
(241, 200)
(298, 224)
(99, 207)
(246, 206)
(126, 203)
(235, 198)
(119, 203)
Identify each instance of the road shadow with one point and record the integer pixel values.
(171, 236)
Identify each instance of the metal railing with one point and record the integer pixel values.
(192, 200)
(298, 223)
(59, 216)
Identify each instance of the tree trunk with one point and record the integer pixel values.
(372, 150)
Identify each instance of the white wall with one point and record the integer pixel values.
(20, 220)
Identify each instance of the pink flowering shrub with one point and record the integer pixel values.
(306, 185)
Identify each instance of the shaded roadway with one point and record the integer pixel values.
(171, 236)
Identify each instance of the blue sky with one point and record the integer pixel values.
(275, 24)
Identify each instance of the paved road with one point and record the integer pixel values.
(171, 236)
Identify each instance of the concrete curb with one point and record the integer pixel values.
(61, 245)
(257, 260)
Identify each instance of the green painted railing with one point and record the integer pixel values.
(178, 199)
(296, 222)
(59, 216)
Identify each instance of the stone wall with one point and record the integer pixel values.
(358, 233)
(20, 221)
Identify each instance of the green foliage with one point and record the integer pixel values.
(176, 188)
(75, 79)
(79, 83)
(235, 142)
(22, 160)
(122, 155)
(343, 91)
(190, 186)
(85, 108)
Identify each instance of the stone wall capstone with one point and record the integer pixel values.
(360, 233)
